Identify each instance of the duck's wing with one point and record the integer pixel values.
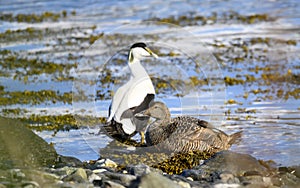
(195, 136)
(138, 92)
(117, 104)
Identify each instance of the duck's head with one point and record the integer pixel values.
(138, 51)
(158, 110)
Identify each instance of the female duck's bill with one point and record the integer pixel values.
(184, 134)
(131, 98)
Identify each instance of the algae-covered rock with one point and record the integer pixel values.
(20, 147)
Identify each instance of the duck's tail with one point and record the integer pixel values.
(235, 138)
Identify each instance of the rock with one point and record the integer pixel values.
(106, 163)
(229, 162)
(30, 184)
(63, 171)
(111, 184)
(296, 171)
(225, 185)
(79, 176)
(125, 179)
(293, 170)
(63, 161)
(93, 178)
(228, 178)
(183, 184)
(153, 179)
(138, 170)
(96, 171)
(20, 147)
(289, 180)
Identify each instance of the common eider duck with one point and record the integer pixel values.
(131, 98)
(184, 134)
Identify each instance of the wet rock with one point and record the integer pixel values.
(228, 178)
(183, 184)
(105, 163)
(20, 147)
(296, 171)
(99, 170)
(226, 161)
(289, 180)
(63, 161)
(293, 170)
(78, 175)
(124, 179)
(153, 179)
(111, 184)
(63, 171)
(30, 184)
(95, 179)
(138, 170)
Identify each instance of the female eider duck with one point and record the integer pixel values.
(131, 98)
(184, 134)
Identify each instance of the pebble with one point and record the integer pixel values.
(78, 175)
(101, 170)
(138, 170)
(184, 184)
(154, 179)
(106, 163)
(93, 177)
(111, 184)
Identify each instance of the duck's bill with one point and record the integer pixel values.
(142, 114)
(151, 53)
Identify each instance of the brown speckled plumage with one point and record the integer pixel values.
(184, 134)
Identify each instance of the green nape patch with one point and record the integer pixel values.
(228, 17)
(35, 18)
(34, 97)
(60, 122)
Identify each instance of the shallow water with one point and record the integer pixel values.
(272, 132)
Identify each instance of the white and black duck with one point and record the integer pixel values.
(131, 98)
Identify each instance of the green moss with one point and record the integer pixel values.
(179, 162)
(233, 81)
(229, 17)
(168, 163)
(33, 18)
(195, 81)
(14, 112)
(260, 91)
(232, 101)
(60, 122)
(24, 67)
(34, 97)
(244, 110)
(93, 38)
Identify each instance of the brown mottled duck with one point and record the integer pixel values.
(184, 134)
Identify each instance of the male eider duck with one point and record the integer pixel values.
(184, 134)
(131, 98)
